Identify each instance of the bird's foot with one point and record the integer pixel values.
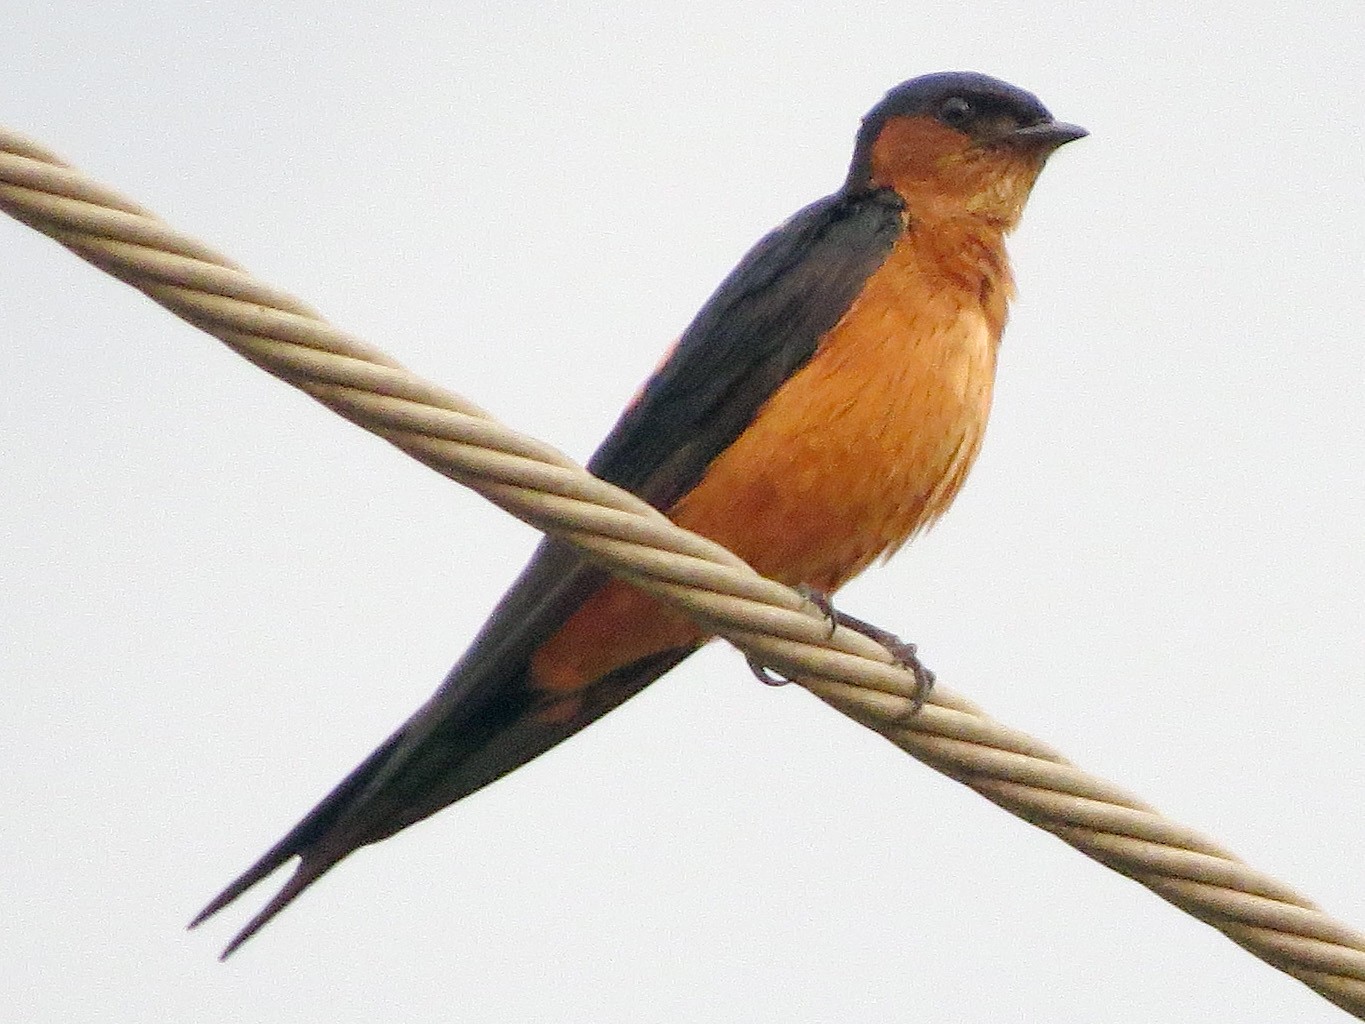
(825, 606)
(906, 655)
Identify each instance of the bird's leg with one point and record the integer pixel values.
(824, 604)
(905, 654)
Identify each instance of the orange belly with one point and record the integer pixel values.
(866, 444)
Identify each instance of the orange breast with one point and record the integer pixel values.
(866, 444)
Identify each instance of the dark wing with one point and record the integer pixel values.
(765, 320)
(762, 324)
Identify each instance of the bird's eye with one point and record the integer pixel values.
(955, 111)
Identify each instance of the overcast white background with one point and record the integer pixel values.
(216, 597)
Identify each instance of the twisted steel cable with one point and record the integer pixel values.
(773, 624)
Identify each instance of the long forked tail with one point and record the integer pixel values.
(308, 872)
(305, 841)
(450, 748)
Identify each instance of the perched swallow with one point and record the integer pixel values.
(824, 406)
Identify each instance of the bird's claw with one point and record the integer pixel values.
(905, 655)
(764, 674)
(825, 606)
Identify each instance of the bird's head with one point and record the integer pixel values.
(957, 143)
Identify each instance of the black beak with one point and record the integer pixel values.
(1046, 135)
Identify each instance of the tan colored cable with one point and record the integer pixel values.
(764, 619)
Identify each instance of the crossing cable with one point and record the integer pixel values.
(773, 624)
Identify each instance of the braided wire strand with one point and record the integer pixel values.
(772, 623)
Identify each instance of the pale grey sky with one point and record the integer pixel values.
(217, 597)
